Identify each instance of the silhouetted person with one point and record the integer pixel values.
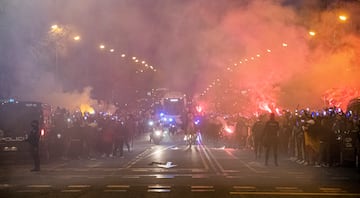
(271, 138)
(34, 139)
(121, 138)
(257, 132)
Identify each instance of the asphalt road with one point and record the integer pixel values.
(199, 171)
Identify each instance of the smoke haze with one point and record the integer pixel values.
(190, 43)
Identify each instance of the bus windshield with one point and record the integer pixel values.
(173, 106)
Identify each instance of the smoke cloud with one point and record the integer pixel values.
(190, 43)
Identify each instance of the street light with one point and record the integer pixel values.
(343, 18)
(101, 46)
(312, 33)
(54, 27)
(77, 38)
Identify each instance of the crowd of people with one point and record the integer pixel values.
(327, 138)
(92, 136)
(320, 138)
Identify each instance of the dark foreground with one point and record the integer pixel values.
(200, 171)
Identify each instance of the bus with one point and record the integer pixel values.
(15, 119)
(174, 105)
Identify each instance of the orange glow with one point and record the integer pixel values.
(77, 38)
(85, 108)
(199, 109)
(228, 129)
(343, 18)
(312, 33)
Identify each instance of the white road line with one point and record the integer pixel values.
(5, 186)
(330, 189)
(78, 186)
(203, 161)
(165, 176)
(231, 154)
(201, 187)
(71, 190)
(39, 186)
(159, 190)
(131, 177)
(199, 176)
(28, 191)
(234, 176)
(215, 160)
(158, 186)
(207, 155)
(116, 190)
(117, 186)
(286, 188)
(202, 190)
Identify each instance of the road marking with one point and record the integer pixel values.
(5, 186)
(28, 191)
(204, 161)
(251, 168)
(295, 193)
(244, 188)
(116, 190)
(117, 186)
(78, 186)
(211, 162)
(219, 166)
(231, 154)
(131, 177)
(145, 154)
(159, 188)
(164, 176)
(95, 177)
(201, 187)
(330, 189)
(39, 186)
(137, 158)
(71, 190)
(199, 176)
(202, 190)
(234, 176)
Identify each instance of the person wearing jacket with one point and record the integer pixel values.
(34, 139)
(271, 138)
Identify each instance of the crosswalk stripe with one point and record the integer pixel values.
(115, 190)
(71, 190)
(28, 191)
(5, 186)
(329, 189)
(201, 187)
(79, 186)
(244, 187)
(158, 186)
(39, 186)
(159, 190)
(118, 186)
